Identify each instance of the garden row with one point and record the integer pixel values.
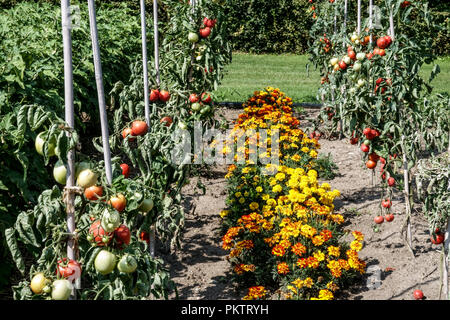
(284, 238)
(114, 217)
(373, 94)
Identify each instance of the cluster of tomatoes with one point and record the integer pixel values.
(200, 103)
(328, 46)
(204, 31)
(159, 96)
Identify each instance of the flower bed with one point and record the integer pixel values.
(280, 226)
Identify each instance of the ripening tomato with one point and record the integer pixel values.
(139, 128)
(378, 219)
(371, 164)
(369, 55)
(122, 235)
(389, 217)
(118, 202)
(374, 157)
(98, 235)
(354, 140)
(93, 192)
(164, 95)
(386, 203)
(352, 55)
(438, 237)
(342, 65)
(193, 98)
(145, 236)
(391, 182)
(154, 95)
(205, 32)
(125, 169)
(87, 178)
(206, 97)
(167, 120)
(127, 132)
(69, 269)
(382, 43)
(364, 148)
(38, 283)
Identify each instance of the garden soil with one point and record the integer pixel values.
(201, 271)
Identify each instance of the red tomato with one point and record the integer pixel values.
(69, 269)
(205, 32)
(371, 164)
(118, 202)
(193, 98)
(382, 52)
(145, 236)
(374, 157)
(438, 237)
(386, 203)
(342, 65)
(125, 170)
(391, 182)
(389, 217)
(122, 235)
(378, 219)
(164, 96)
(365, 148)
(352, 55)
(98, 234)
(382, 43)
(128, 132)
(93, 193)
(206, 97)
(354, 140)
(369, 55)
(154, 95)
(139, 128)
(418, 294)
(167, 120)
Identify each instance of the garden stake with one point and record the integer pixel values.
(69, 197)
(358, 28)
(145, 63)
(100, 90)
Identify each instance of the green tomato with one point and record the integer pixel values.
(127, 264)
(205, 110)
(146, 205)
(110, 220)
(80, 167)
(105, 262)
(61, 289)
(360, 56)
(60, 172)
(87, 178)
(39, 145)
(357, 66)
(193, 37)
(182, 125)
(334, 61)
(196, 106)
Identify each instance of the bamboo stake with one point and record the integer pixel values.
(69, 198)
(406, 194)
(100, 90)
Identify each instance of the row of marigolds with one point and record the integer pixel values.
(281, 230)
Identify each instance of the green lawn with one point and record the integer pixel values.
(249, 72)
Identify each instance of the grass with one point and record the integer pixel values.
(250, 72)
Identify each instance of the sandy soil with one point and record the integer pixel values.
(201, 271)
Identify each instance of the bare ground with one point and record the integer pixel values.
(201, 271)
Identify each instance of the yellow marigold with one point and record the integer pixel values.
(254, 205)
(325, 294)
(242, 200)
(334, 251)
(308, 282)
(305, 149)
(298, 249)
(280, 176)
(358, 235)
(277, 188)
(298, 283)
(313, 153)
(259, 189)
(356, 245)
(255, 293)
(238, 194)
(224, 213)
(282, 268)
(319, 255)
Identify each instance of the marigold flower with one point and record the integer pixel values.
(282, 268)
